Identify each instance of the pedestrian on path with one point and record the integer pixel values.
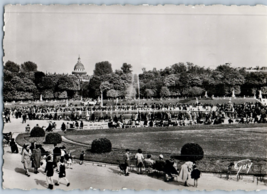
(69, 160)
(62, 172)
(139, 163)
(195, 174)
(26, 158)
(13, 146)
(82, 158)
(49, 170)
(186, 169)
(126, 158)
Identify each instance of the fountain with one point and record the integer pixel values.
(138, 86)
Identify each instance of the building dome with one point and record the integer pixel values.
(79, 68)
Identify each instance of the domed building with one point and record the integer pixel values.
(79, 68)
(80, 72)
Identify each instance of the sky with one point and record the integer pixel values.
(146, 37)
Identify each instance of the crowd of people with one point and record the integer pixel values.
(167, 167)
(149, 115)
(34, 156)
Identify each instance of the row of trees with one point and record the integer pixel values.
(25, 82)
(181, 79)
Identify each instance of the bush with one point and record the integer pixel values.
(37, 132)
(52, 138)
(192, 152)
(101, 145)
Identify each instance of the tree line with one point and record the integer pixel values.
(25, 82)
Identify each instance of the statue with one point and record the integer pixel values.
(196, 100)
(41, 97)
(67, 103)
(233, 93)
(206, 94)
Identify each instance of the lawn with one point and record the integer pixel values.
(231, 142)
(222, 144)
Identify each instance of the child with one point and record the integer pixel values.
(62, 172)
(82, 158)
(69, 159)
(49, 170)
(139, 163)
(195, 174)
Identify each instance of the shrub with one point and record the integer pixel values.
(192, 152)
(37, 132)
(52, 138)
(101, 145)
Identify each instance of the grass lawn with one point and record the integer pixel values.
(230, 142)
(222, 144)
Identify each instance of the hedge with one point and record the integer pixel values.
(53, 138)
(37, 132)
(101, 145)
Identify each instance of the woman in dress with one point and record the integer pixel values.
(26, 159)
(36, 156)
(185, 172)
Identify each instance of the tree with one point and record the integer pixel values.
(126, 68)
(178, 68)
(28, 66)
(149, 93)
(68, 83)
(8, 75)
(112, 93)
(103, 87)
(102, 68)
(12, 67)
(164, 92)
(38, 77)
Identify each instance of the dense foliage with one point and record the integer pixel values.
(101, 145)
(25, 82)
(192, 152)
(52, 138)
(37, 132)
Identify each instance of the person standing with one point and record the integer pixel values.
(56, 154)
(126, 159)
(82, 158)
(13, 146)
(49, 170)
(69, 160)
(185, 171)
(36, 157)
(27, 128)
(26, 159)
(195, 174)
(63, 127)
(62, 172)
(139, 163)
(81, 125)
